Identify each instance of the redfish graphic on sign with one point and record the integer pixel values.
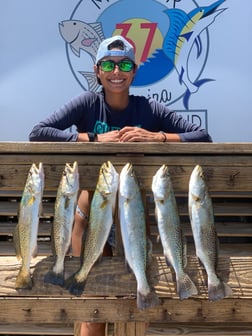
(170, 38)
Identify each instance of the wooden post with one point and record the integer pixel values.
(129, 328)
(77, 327)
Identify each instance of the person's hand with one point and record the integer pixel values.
(137, 134)
(112, 136)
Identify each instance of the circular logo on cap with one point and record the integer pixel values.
(170, 39)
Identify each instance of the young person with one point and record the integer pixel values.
(113, 115)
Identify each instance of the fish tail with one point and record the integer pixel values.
(186, 287)
(54, 278)
(147, 301)
(23, 280)
(188, 92)
(74, 286)
(218, 291)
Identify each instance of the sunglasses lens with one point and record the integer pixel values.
(109, 65)
(126, 66)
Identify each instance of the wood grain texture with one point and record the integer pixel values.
(110, 291)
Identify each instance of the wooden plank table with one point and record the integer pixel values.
(110, 290)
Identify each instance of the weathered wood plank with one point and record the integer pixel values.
(110, 277)
(237, 249)
(221, 208)
(228, 171)
(224, 229)
(130, 328)
(62, 309)
(233, 178)
(62, 329)
(199, 330)
(154, 329)
(96, 148)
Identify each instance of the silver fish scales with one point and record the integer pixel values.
(26, 231)
(64, 210)
(204, 233)
(100, 222)
(133, 230)
(170, 231)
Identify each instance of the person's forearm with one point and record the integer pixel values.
(40, 133)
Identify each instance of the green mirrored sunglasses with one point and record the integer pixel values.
(109, 65)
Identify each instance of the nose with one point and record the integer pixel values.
(116, 69)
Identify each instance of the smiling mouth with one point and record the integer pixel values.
(116, 81)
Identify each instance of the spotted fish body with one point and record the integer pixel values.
(133, 230)
(100, 222)
(26, 231)
(64, 211)
(204, 233)
(173, 242)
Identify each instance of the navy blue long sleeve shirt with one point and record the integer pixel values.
(89, 113)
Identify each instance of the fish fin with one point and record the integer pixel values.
(75, 287)
(40, 209)
(75, 51)
(31, 200)
(54, 278)
(23, 280)
(168, 263)
(97, 26)
(104, 204)
(184, 249)
(188, 93)
(149, 252)
(186, 287)
(147, 301)
(99, 259)
(17, 243)
(90, 77)
(67, 201)
(35, 251)
(127, 267)
(218, 291)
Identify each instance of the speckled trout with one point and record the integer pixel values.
(170, 231)
(100, 222)
(26, 231)
(133, 230)
(64, 210)
(204, 233)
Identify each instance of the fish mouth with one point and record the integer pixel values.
(37, 170)
(61, 25)
(69, 169)
(164, 170)
(199, 171)
(106, 167)
(128, 167)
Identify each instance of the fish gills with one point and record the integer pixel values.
(101, 218)
(26, 231)
(133, 230)
(173, 242)
(204, 233)
(64, 210)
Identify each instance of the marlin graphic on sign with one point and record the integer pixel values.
(169, 38)
(184, 32)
